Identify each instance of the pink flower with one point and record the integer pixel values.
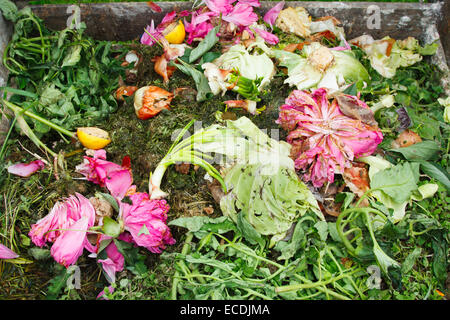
(150, 34)
(62, 216)
(329, 140)
(6, 253)
(199, 26)
(270, 38)
(117, 178)
(69, 246)
(219, 6)
(271, 16)
(113, 263)
(26, 169)
(241, 15)
(145, 219)
(66, 225)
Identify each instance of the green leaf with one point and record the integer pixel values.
(111, 227)
(322, 229)
(209, 57)
(201, 82)
(410, 260)
(397, 182)
(205, 45)
(435, 171)
(193, 224)
(294, 244)
(440, 256)
(425, 150)
(247, 230)
(39, 253)
(108, 198)
(428, 49)
(72, 57)
(9, 10)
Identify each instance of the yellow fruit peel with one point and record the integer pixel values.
(93, 138)
(176, 33)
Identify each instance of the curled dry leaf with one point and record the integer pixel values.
(102, 209)
(216, 190)
(350, 107)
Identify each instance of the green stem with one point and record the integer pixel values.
(184, 251)
(301, 286)
(6, 139)
(34, 116)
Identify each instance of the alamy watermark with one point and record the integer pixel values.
(373, 17)
(74, 280)
(374, 281)
(74, 20)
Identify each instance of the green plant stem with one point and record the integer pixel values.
(184, 251)
(302, 286)
(34, 116)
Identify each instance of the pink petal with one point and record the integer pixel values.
(270, 38)
(146, 219)
(118, 183)
(26, 169)
(69, 246)
(219, 6)
(6, 253)
(114, 263)
(329, 139)
(271, 16)
(241, 15)
(253, 3)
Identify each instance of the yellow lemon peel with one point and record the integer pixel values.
(175, 33)
(93, 138)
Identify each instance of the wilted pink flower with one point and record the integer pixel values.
(117, 178)
(271, 16)
(199, 26)
(69, 246)
(6, 253)
(62, 216)
(328, 140)
(145, 219)
(66, 225)
(241, 15)
(26, 169)
(219, 6)
(113, 263)
(270, 38)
